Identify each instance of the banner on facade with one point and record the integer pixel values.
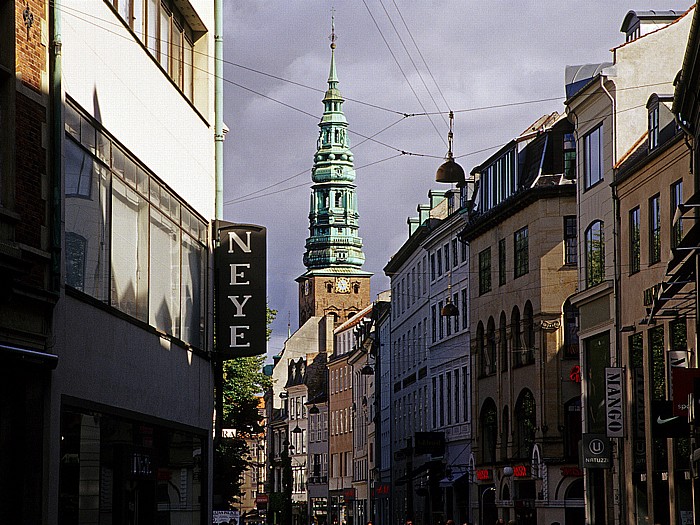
(614, 423)
(240, 262)
(432, 443)
(595, 451)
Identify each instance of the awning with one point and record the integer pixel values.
(29, 356)
(454, 475)
(680, 272)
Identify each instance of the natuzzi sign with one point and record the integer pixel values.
(240, 262)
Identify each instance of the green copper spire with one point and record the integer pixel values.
(333, 246)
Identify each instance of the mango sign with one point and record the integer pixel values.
(240, 262)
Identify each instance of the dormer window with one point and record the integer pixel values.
(653, 126)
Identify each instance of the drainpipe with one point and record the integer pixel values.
(219, 106)
(618, 494)
(56, 97)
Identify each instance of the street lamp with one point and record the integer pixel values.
(481, 497)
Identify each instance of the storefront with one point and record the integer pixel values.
(120, 469)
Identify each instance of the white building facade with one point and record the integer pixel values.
(132, 398)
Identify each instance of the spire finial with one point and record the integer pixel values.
(333, 36)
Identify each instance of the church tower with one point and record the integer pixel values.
(334, 283)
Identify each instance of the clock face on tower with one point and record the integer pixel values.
(342, 285)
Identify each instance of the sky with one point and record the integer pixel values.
(499, 65)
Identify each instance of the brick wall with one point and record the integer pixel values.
(30, 53)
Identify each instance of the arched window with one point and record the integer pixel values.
(595, 253)
(571, 350)
(515, 330)
(505, 429)
(489, 430)
(491, 346)
(572, 428)
(527, 355)
(503, 342)
(524, 425)
(481, 349)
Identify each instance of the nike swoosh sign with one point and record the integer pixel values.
(663, 421)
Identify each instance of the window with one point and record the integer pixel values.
(569, 156)
(76, 250)
(520, 252)
(167, 36)
(464, 252)
(433, 320)
(441, 324)
(448, 395)
(130, 242)
(595, 254)
(439, 262)
(654, 230)
(676, 200)
(446, 249)
(501, 262)
(485, 271)
(78, 171)
(432, 267)
(489, 431)
(634, 241)
(455, 301)
(653, 127)
(455, 260)
(524, 425)
(593, 157)
(570, 249)
(465, 310)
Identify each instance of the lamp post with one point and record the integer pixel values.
(481, 507)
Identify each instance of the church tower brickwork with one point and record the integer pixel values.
(334, 283)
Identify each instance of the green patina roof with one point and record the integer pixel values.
(333, 246)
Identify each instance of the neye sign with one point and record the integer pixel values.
(241, 290)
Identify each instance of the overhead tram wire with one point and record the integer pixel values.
(403, 72)
(65, 10)
(305, 184)
(405, 115)
(229, 63)
(420, 54)
(425, 85)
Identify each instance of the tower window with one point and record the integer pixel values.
(338, 200)
(329, 287)
(356, 288)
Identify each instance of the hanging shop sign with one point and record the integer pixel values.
(614, 425)
(664, 424)
(595, 451)
(240, 262)
(681, 387)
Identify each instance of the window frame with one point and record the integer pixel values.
(591, 279)
(635, 263)
(521, 255)
(654, 229)
(676, 201)
(570, 241)
(588, 181)
(485, 271)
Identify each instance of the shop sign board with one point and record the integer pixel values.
(595, 451)
(614, 426)
(240, 261)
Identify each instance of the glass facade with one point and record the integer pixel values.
(120, 470)
(130, 242)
